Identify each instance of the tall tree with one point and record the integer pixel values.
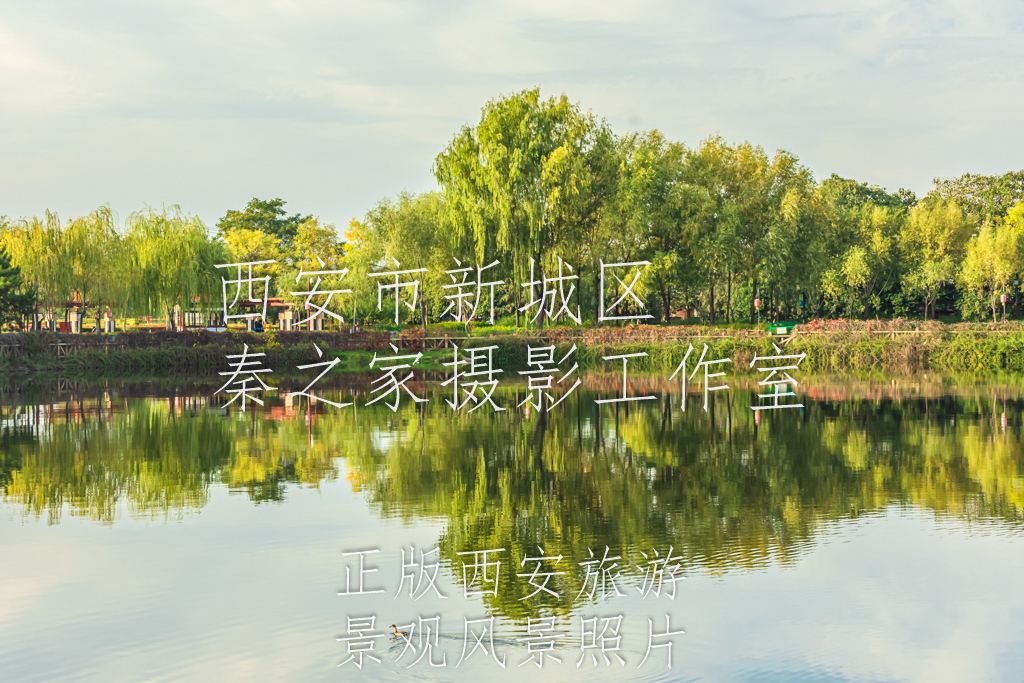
(993, 258)
(15, 302)
(81, 260)
(267, 216)
(762, 205)
(176, 261)
(316, 240)
(93, 251)
(363, 253)
(314, 248)
(521, 184)
(865, 253)
(932, 242)
(409, 230)
(35, 247)
(655, 214)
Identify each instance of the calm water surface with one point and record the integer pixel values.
(875, 535)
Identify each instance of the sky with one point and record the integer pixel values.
(334, 105)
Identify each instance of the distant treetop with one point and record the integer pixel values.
(849, 194)
(267, 216)
(985, 196)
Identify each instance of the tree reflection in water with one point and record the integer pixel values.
(725, 491)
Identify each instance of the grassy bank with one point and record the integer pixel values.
(935, 349)
(959, 352)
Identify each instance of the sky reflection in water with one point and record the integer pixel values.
(874, 535)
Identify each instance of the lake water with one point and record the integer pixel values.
(873, 535)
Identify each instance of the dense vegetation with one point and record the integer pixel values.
(721, 224)
(157, 261)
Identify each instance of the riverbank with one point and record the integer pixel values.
(895, 346)
(163, 352)
(837, 346)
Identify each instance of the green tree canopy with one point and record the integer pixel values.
(845, 194)
(15, 302)
(525, 182)
(985, 196)
(267, 216)
(175, 261)
(933, 241)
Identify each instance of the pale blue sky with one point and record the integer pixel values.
(333, 105)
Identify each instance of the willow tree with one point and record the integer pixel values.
(363, 252)
(176, 261)
(34, 245)
(97, 272)
(410, 230)
(770, 197)
(524, 183)
(81, 260)
(993, 258)
(864, 254)
(933, 241)
(651, 215)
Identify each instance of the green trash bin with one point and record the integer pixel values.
(782, 328)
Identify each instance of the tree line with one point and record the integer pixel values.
(723, 226)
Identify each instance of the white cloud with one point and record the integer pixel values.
(332, 105)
